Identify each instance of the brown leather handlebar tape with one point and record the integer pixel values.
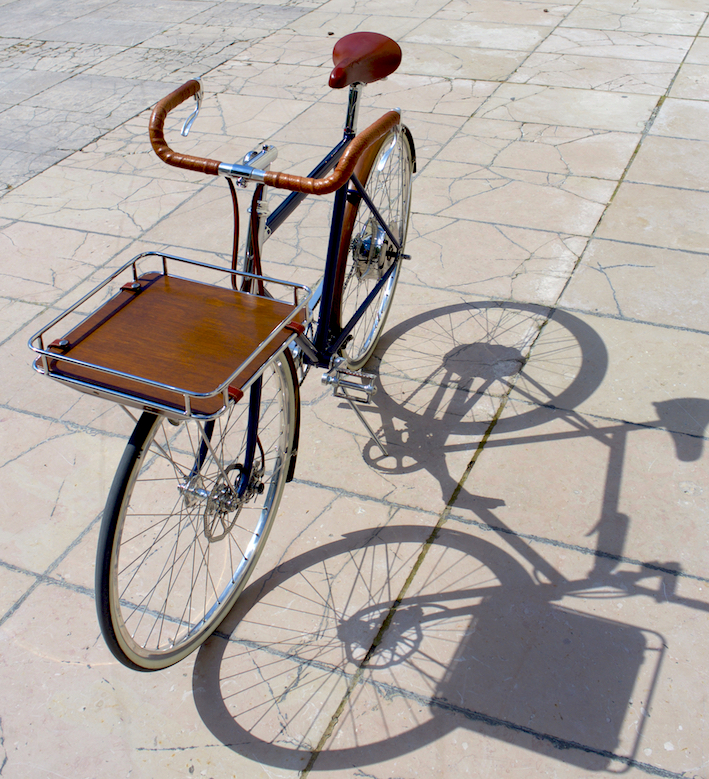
(345, 167)
(157, 136)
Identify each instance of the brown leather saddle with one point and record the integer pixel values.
(363, 57)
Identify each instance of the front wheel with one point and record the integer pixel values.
(366, 251)
(186, 519)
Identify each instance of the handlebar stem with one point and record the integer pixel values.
(237, 170)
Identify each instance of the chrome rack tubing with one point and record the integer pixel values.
(106, 282)
(257, 375)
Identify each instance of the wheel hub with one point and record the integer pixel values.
(222, 505)
(372, 251)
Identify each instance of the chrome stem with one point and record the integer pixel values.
(353, 108)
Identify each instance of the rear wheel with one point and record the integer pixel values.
(187, 517)
(366, 251)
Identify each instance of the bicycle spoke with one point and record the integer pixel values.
(185, 539)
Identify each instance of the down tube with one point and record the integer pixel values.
(288, 206)
(324, 335)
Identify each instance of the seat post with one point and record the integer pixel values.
(353, 108)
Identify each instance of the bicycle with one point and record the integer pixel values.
(201, 478)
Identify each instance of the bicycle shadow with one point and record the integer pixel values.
(481, 640)
(427, 407)
(527, 670)
(443, 375)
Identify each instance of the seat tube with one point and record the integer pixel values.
(324, 337)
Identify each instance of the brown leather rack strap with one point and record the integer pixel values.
(157, 135)
(345, 167)
(363, 57)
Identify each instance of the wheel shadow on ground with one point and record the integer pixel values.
(480, 638)
(480, 375)
(476, 643)
(446, 375)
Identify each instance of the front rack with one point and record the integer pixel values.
(167, 343)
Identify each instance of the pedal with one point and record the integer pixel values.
(354, 387)
(351, 385)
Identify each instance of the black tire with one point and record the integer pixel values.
(177, 544)
(366, 252)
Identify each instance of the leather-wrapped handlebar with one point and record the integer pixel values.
(157, 135)
(340, 175)
(344, 168)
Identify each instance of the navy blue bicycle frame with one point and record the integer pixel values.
(327, 342)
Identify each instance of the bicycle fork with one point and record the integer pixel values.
(237, 482)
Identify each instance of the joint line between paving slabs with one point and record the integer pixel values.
(646, 131)
(585, 550)
(45, 577)
(357, 676)
(632, 320)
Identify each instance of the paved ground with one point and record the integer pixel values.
(543, 390)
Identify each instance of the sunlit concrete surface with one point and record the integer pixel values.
(520, 588)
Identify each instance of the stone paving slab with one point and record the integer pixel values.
(519, 587)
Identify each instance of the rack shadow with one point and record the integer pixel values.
(480, 640)
(527, 671)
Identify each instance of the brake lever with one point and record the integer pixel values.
(187, 126)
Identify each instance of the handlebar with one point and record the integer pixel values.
(157, 135)
(340, 175)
